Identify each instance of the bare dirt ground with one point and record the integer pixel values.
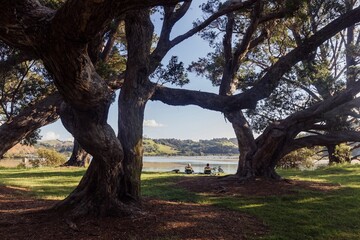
(24, 217)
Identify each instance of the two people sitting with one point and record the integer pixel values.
(207, 169)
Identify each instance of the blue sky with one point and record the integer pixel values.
(163, 121)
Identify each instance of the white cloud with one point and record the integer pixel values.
(152, 124)
(50, 136)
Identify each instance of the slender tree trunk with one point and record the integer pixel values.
(246, 142)
(131, 114)
(133, 97)
(29, 120)
(331, 151)
(79, 157)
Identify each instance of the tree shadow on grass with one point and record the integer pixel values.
(292, 209)
(29, 174)
(23, 217)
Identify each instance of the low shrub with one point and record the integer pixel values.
(343, 152)
(295, 159)
(50, 157)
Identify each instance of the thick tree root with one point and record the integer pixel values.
(75, 207)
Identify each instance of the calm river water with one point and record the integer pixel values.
(165, 164)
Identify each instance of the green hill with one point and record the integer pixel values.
(60, 146)
(154, 147)
(151, 148)
(216, 146)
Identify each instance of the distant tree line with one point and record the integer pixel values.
(216, 146)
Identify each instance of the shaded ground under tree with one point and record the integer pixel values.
(22, 216)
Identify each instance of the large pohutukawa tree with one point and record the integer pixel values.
(335, 67)
(107, 61)
(259, 156)
(232, 67)
(215, 102)
(325, 73)
(61, 39)
(331, 69)
(67, 41)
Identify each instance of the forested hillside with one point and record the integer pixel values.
(217, 146)
(154, 147)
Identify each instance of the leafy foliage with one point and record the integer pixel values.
(174, 73)
(32, 139)
(299, 158)
(343, 152)
(115, 64)
(51, 157)
(22, 83)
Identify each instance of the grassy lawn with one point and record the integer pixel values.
(305, 215)
(46, 183)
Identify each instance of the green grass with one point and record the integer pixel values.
(304, 215)
(46, 183)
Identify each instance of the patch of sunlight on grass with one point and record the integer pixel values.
(46, 183)
(251, 206)
(309, 200)
(304, 214)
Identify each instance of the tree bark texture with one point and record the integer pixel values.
(79, 157)
(60, 39)
(279, 139)
(30, 119)
(99, 192)
(264, 86)
(331, 151)
(133, 97)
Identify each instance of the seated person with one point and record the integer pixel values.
(189, 169)
(207, 169)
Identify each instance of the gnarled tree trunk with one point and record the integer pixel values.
(100, 191)
(79, 157)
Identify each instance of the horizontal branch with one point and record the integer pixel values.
(323, 140)
(28, 120)
(84, 19)
(183, 97)
(264, 87)
(166, 44)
